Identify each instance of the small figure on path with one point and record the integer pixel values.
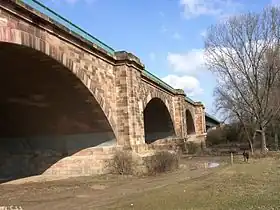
(246, 156)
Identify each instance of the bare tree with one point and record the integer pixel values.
(243, 53)
(232, 112)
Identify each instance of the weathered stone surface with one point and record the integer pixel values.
(116, 81)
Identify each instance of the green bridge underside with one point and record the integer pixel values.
(74, 29)
(210, 120)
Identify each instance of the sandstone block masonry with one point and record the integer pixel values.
(117, 81)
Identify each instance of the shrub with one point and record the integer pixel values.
(122, 163)
(190, 147)
(162, 161)
(193, 148)
(215, 137)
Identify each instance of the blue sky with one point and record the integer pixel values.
(167, 35)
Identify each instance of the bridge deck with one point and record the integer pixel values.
(38, 7)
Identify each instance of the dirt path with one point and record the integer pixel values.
(92, 192)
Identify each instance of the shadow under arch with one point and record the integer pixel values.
(46, 113)
(157, 121)
(190, 123)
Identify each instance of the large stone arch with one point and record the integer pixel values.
(33, 39)
(190, 122)
(158, 123)
(41, 42)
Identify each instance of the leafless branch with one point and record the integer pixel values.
(244, 53)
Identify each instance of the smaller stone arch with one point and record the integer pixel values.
(190, 123)
(150, 95)
(158, 123)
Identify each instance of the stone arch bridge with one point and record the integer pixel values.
(65, 94)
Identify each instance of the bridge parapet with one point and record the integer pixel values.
(55, 19)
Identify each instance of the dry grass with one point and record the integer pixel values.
(253, 185)
(162, 161)
(122, 163)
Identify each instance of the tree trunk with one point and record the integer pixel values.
(276, 140)
(251, 147)
(263, 141)
(252, 142)
(254, 137)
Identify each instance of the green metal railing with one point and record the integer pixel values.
(164, 84)
(158, 80)
(66, 23)
(189, 100)
(211, 117)
(77, 30)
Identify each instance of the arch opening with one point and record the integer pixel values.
(46, 113)
(157, 121)
(190, 123)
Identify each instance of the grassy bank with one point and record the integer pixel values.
(254, 185)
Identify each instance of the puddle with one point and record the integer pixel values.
(98, 187)
(213, 165)
(82, 196)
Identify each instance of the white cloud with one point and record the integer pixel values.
(188, 63)
(177, 36)
(195, 8)
(275, 2)
(189, 84)
(152, 56)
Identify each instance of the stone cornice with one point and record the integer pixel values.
(180, 92)
(123, 57)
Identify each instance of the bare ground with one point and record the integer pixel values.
(99, 192)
